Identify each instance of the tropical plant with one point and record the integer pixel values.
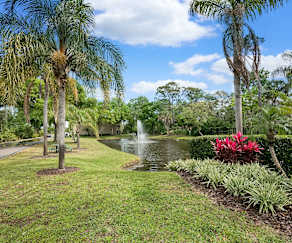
(237, 149)
(234, 14)
(59, 32)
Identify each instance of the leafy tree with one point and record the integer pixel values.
(194, 115)
(169, 95)
(193, 94)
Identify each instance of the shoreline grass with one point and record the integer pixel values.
(104, 203)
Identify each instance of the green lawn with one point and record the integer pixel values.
(103, 203)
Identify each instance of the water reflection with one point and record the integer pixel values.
(154, 154)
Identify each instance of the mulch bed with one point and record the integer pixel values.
(281, 222)
(57, 171)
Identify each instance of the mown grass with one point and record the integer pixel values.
(103, 203)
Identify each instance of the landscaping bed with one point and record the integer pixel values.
(282, 221)
(260, 192)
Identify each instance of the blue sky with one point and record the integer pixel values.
(161, 43)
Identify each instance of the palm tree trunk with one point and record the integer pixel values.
(238, 103)
(56, 109)
(237, 39)
(46, 99)
(61, 124)
(275, 159)
(26, 102)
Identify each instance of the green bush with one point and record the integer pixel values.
(7, 135)
(257, 185)
(269, 197)
(24, 131)
(201, 148)
(236, 184)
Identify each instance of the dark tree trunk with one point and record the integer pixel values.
(45, 125)
(61, 124)
(55, 132)
(26, 102)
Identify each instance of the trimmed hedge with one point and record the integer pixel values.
(201, 148)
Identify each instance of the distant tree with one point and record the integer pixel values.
(193, 94)
(195, 115)
(169, 95)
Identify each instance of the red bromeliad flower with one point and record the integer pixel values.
(236, 149)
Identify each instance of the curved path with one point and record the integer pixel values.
(4, 152)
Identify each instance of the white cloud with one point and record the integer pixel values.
(221, 66)
(144, 87)
(271, 62)
(217, 78)
(188, 67)
(158, 22)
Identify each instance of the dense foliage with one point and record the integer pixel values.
(258, 186)
(202, 148)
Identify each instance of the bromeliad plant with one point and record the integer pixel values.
(236, 149)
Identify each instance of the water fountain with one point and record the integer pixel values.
(154, 154)
(141, 135)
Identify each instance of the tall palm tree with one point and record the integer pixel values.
(234, 15)
(65, 41)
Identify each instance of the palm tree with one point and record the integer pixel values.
(234, 15)
(64, 40)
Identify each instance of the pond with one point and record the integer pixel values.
(153, 154)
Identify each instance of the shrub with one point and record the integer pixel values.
(268, 197)
(24, 131)
(257, 185)
(236, 149)
(7, 135)
(201, 148)
(236, 184)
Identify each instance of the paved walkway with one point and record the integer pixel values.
(4, 152)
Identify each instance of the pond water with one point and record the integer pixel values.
(153, 154)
